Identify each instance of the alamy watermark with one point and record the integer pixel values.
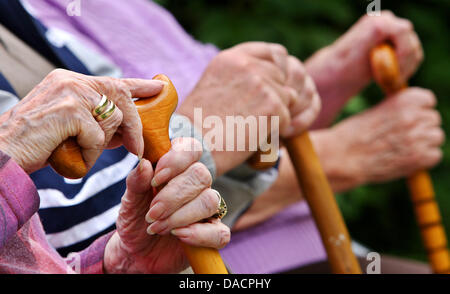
(374, 265)
(374, 8)
(74, 8)
(232, 133)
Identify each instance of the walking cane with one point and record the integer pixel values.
(387, 74)
(155, 113)
(320, 198)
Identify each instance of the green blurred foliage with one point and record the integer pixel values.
(379, 216)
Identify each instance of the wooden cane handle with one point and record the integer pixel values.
(386, 72)
(320, 198)
(68, 161)
(155, 115)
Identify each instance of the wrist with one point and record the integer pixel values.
(116, 260)
(5, 147)
(339, 163)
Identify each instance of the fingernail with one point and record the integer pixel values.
(141, 148)
(161, 177)
(150, 232)
(155, 212)
(181, 232)
(148, 219)
(161, 82)
(140, 166)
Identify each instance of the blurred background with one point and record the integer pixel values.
(379, 216)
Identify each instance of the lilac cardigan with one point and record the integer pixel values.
(23, 246)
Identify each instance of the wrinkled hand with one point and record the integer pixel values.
(399, 136)
(61, 107)
(176, 214)
(354, 47)
(254, 79)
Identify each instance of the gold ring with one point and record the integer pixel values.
(108, 111)
(104, 109)
(222, 209)
(101, 106)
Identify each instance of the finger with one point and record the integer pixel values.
(213, 234)
(287, 95)
(296, 74)
(417, 96)
(305, 98)
(138, 181)
(409, 51)
(302, 122)
(184, 152)
(91, 139)
(268, 51)
(430, 118)
(268, 69)
(111, 125)
(138, 195)
(179, 191)
(433, 137)
(202, 207)
(274, 95)
(121, 93)
(140, 88)
(432, 158)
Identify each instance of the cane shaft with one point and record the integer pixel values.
(318, 194)
(387, 74)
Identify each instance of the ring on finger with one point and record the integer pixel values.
(222, 208)
(104, 109)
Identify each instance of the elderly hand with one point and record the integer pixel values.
(251, 80)
(61, 107)
(177, 213)
(392, 140)
(352, 50)
(342, 70)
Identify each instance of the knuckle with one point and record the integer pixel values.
(201, 174)
(406, 118)
(56, 74)
(279, 49)
(224, 236)
(387, 13)
(408, 24)
(257, 83)
(234, 60)
(70, 104)
(274, 103)
(209, 202)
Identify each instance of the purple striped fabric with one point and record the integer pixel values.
(286, 241)
(144, 39)
(23, 246)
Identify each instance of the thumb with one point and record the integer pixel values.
(139, 193)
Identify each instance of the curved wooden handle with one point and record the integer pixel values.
(320, 198)
(155, 114)
(387, 74)
(68, 161)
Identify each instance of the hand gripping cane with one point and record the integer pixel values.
(387, 74)
(155, 113)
